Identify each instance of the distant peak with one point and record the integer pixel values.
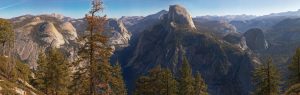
(179, 16)
(176, 6)
(162, 12)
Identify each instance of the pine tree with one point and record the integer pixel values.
(40, 82)
(149, 84)
(186, 79)
(200, 85)
(294, 68)
(6, 35)
(96, 52)
(143, 86)
(53, 73)
(59, 73)
(155, 78)
(80, 80)
(7, 40)
(169, 84)
(118, 85)
(158, 82)
(267, 79)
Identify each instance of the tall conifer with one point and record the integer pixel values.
(200, 85)
(118, 85)
(186, 79)
(95, 52)
(267, 79)
(294, 69)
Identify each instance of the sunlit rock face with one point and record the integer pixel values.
(115, 30)
(118, 35)
(49, 35)
(68, 31)
(179, 17)
(35, 34)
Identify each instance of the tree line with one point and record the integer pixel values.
(268, 80)
(161, 81)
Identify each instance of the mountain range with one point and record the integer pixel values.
(224, 49)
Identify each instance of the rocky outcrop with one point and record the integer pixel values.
(49, 35)
(178, 16)
(36, 33)
(255, 39)
(118, 35)
(236, 40)
(68, 31)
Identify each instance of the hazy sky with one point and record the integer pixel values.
(117, 8)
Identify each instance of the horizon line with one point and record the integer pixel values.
(118, 17)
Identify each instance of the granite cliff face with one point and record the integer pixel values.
(48, 34)
(179, 17)
(226, 69)
(68, 31)
(255, 39)
(236, 40)
(36, 33)
(117, 33)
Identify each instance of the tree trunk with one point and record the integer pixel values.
(268, 76)
(92, 71)
(298, 68)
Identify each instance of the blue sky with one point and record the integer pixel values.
(117, 8)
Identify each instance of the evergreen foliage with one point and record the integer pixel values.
(21, 70)
(80, 81)
(267, 79)
(200, 85)
(93, 68)
(186, 79)
(6, 45)
(168, 82)
(294, 69)
(158, 82)
(6, 33)
(53, 73)
(40, 73)
(117, 82)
